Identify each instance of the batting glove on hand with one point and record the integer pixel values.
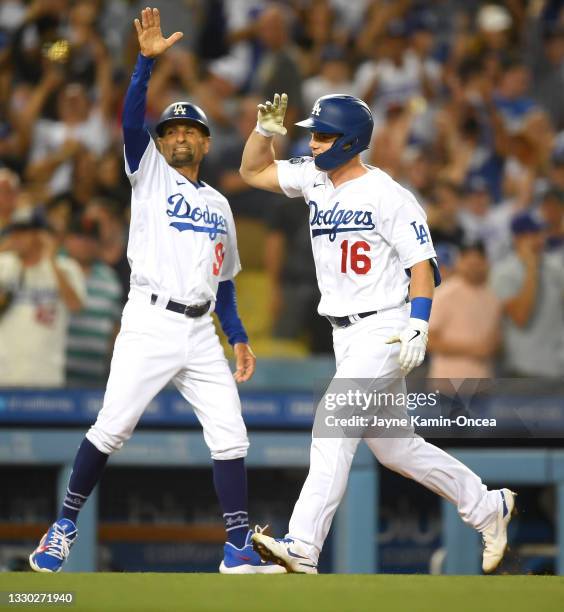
(413, 341)
(270, 119)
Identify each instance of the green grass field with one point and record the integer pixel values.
(327, 593)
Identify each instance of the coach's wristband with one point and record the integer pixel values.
(263, 132)
(421, 308)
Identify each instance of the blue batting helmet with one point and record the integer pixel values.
(344, 115)
(183, 110)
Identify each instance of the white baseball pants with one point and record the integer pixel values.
(153, 347)
(361, 353)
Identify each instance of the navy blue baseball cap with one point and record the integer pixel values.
(525, 223)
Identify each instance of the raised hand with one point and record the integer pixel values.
(151, 40)
(271, 115)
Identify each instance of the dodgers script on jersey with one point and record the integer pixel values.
(182, 239)
(370, 230)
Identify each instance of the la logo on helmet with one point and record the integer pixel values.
(316, 109)
(179, 109)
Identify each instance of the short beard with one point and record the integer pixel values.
(186, 160)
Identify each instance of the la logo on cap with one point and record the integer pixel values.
(179, 109)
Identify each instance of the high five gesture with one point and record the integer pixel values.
(151, 40)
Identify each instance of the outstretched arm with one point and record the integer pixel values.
(258, 168)
(151, 45)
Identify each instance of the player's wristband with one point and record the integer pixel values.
(263, 132)
(421, 308)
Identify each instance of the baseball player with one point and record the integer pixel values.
(373, 253)
(183, 255)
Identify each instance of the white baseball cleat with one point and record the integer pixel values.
(285, 552)
(494, 536)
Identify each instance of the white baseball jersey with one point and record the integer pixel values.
(365, 235)
(33, 330)
(182, 239)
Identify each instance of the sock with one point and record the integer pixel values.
(230, 481)
(88, 466)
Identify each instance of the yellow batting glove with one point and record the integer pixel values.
(270, 119)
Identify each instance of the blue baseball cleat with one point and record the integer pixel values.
(245, 560)
(54, 547)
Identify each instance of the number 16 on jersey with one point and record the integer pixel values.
(355, 258)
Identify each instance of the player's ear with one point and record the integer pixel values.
(207, 143)
(159, 144)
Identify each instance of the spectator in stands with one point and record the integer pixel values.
(443, 215)
(9, 191)
(39, 290)
(390, 140)
(58, 213)
(481, 221)
(333, 76)
(523, 165)
(113, 237)
(84, 182)
(320, 30)
(556, 166)
(494, 23)
(552, 211)
(111, 182)
(548, 75)
(519, 111)
(471, 134)
(86, 42)
(419, 168)
(464, 330)
(20, 112)
(277, 69)
(396, 73)
(294, 294)
(80, 126)
(232, 71)
(43, 26)
(92, 331)
(447, 255)
(531, 288)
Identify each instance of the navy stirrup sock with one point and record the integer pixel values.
(230, 481)
(88, 466)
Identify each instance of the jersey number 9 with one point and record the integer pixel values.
(219, 257)
(359, 262)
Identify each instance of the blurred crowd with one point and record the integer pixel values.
(468, 100)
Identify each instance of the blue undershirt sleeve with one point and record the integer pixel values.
(135, 135)
(226, 310)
